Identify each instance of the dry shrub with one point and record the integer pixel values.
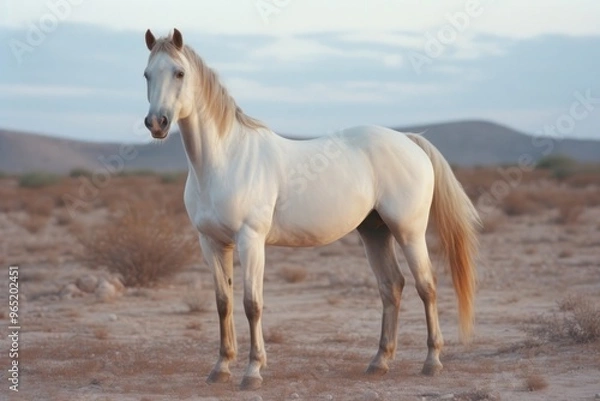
(578, 321)
(34, 223)
(63, 218)
(196, 298)
(101, 333)
(535, 383)
(39, 205)
(565, 253)
(517, 203)
(193, 326)
(274, 336)
(569, 211)
(491, 223)
(584, 179)
(477, 395)
(38, 179)
(144, 244)
(293, 274)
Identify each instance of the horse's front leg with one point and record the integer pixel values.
(220, 259)
(251, 246)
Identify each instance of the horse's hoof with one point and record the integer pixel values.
(217, 376)
(432, 369)
(251, 383)
(377, 370)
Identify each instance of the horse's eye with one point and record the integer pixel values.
(179, 74)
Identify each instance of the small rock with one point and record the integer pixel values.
(70, 291)
(329, 397)
(370, 395)
(105, 291)
(116, 281)
(87, 283)
(112, 317)
(294, 396)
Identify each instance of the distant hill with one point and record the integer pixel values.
(470, 143)
(464, 143)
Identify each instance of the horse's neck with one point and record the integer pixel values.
(207, 150)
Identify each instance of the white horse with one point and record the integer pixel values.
(247, 187)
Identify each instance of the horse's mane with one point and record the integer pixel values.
(216, 102)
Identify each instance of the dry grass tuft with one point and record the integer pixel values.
(492, 223)
(63, 218)
(196, 298)
(517, 203)
(577, 322)
(39, 205)
(535, 383)
(476, 395)
(193, 326)
(101, 333)
(144, 245)
(293, 274)
(34, 223)
(569, 211)
(274, 336)
(565, 253)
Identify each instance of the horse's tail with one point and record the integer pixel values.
(457, 221)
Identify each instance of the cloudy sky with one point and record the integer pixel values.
(73, 68)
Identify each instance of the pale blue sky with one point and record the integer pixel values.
(305, 67)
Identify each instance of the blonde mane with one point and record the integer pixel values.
(216, 102)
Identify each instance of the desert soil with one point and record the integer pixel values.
(321, 329)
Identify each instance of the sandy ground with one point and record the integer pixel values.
(321, 331)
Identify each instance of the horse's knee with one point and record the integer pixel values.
(391, 292)
(252, 308)
(426, 291)
(224, 305)
(401, 282)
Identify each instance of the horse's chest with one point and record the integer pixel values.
(212, 217)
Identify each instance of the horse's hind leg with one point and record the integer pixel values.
(379, 247)
(415, 250)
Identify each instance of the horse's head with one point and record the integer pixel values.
(169, 80)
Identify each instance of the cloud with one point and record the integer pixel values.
(525, 19)
(290, 49)
(338, 92)
(401, 40)
(50, 91)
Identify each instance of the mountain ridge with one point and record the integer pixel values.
(463, 143)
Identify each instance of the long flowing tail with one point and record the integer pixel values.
(457, 222)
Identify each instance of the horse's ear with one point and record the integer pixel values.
(150, 39)
(177, 39)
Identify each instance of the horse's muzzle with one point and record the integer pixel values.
(158, 125)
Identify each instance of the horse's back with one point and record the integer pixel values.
(389, 151)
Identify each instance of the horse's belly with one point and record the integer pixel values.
(319, 220)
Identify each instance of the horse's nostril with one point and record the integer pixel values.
(164, 121)
(148, 122)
